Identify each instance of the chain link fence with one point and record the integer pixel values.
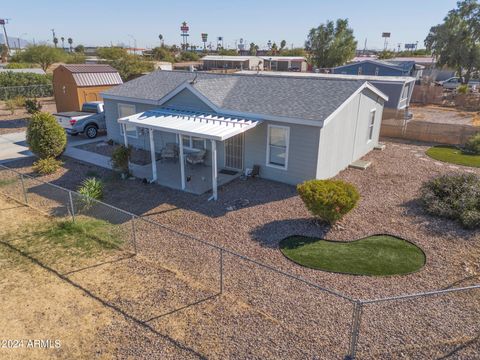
(298, 318)
(29, 91)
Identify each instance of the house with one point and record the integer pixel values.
(374, 67)
(284, 63)
(75, 84)
(215, 62)
(290, 128)
(399, 89)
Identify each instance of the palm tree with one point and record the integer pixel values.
(70, 42)
(55, 41)
(283, 43)
(63, 42)
(160, 37)
(253, 49)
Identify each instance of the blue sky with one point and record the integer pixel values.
(103, 22)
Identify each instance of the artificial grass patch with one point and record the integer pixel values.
(453, 155)
(378, 255)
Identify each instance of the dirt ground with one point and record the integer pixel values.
(444, 115)
(18, 121)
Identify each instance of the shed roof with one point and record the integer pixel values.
(279, 96)
(90, 68)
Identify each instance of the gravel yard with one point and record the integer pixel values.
(18, 121)
(261, 213)
(444, 115)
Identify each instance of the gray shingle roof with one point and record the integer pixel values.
(299, 98)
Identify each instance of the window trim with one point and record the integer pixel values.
(121, 125)
(287, 150)
(371, 125)
(190, 147)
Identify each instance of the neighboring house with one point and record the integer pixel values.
(30, 70)
(284, 63)
(373, 67)
(75, 84)
(292, 128)
(215, 62)
(399, 89)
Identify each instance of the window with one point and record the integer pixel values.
(377, 71)
(194, 142)
(360, 70)
(277, 146)
(371, 124)
(127, 110)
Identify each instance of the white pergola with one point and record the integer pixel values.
(208, 126)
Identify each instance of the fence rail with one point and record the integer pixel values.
(29, 91)
(218, 268)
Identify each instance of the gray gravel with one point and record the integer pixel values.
(264, 315)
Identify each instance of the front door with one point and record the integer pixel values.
(234, 152)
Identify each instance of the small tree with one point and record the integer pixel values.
(120, 159)
(43, 55)
(328, 200)
(45, 137)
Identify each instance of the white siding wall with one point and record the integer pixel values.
(344, 139)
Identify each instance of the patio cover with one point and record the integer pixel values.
(203, 125)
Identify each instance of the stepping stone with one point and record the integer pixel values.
(453, 167)
(438, 163)
(380, 147)
(360, 164)
(424, 159)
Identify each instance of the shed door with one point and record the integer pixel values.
(234, 152)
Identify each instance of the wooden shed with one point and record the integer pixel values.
(78, 83)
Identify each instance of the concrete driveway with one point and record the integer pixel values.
(13, 146)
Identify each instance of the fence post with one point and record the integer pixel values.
(221, 271)
(71, 205)
(23, 189)
(134, 235)
(357, 318)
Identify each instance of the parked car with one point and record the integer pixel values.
(89, 121)
(454, 82)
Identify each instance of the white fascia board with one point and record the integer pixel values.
(366, 85)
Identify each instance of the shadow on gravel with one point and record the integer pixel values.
(269, 235)
(436, 225)
(143, 323)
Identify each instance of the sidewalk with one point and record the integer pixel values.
(13, 147)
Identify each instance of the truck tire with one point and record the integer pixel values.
(91, 131)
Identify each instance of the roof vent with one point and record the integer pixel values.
(194, 79)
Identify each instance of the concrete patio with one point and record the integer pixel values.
(198, 178)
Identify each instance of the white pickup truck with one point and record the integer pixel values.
(88, 121)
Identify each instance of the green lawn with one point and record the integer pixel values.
(376, 255)
(453, 155)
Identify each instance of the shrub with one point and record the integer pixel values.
(92, 188)
(472, 146)
(462, 89)
(15, 103)
(454, 197)
(45, 137)
(47, 166)
(329, 200)
(120, 158)
(32, 106)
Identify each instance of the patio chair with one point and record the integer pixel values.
(197, 157)
(170, 151)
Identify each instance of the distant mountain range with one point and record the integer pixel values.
(14, 41)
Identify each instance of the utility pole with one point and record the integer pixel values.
(3, 22)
